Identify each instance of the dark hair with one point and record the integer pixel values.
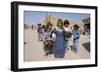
(66, 22)
(43, 26)
(76, 26)
(49, 24)
(39, 24)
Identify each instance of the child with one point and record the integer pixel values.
(59, 44)
(76, 36)
(42, 33)
(68, 33)
(48, 43)
(39, 32)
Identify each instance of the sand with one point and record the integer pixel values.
(33, 49)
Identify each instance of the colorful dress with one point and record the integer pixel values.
(59, 48)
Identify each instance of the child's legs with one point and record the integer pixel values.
(42, 37)
(75, 45)
(51, 51)
(38, 36)
(67, 44)
(71, 43)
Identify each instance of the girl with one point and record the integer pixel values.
(76, 36)
(59, 45)
(68, 33)
(48, 43)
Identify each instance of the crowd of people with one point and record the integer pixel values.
(56, 40)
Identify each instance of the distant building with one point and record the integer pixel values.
(86, 22)
(53, 20)
(49, 18)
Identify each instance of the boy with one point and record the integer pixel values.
(76, 36)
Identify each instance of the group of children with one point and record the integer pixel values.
(56, 40)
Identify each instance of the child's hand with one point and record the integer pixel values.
(76, 38)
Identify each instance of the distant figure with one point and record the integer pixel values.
(24, 43)
(76, 36)
(42, 33)
(32, 27)
(59, 45)
(39, 32)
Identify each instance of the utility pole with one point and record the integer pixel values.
(48, 17)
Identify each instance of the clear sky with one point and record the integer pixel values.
(34, 17)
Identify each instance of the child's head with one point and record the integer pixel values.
(43, 26)
(66, 23)
(49, 27)
(75, 27)
(39, 25)
(60, 22)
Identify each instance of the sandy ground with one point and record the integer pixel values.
(33, 50)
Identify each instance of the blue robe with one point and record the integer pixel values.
(60, 44)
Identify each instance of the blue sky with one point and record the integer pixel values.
(34, 17)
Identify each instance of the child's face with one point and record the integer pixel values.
(75, 28)
(60, 23)
(39, 25)
(49, 29)
(66, 25)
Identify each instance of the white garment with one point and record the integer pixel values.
(70, 40)
(67, 29)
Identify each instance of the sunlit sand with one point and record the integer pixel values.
(33, 49)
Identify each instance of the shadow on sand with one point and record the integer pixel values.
(87, 46)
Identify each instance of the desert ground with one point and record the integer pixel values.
(33, 49)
